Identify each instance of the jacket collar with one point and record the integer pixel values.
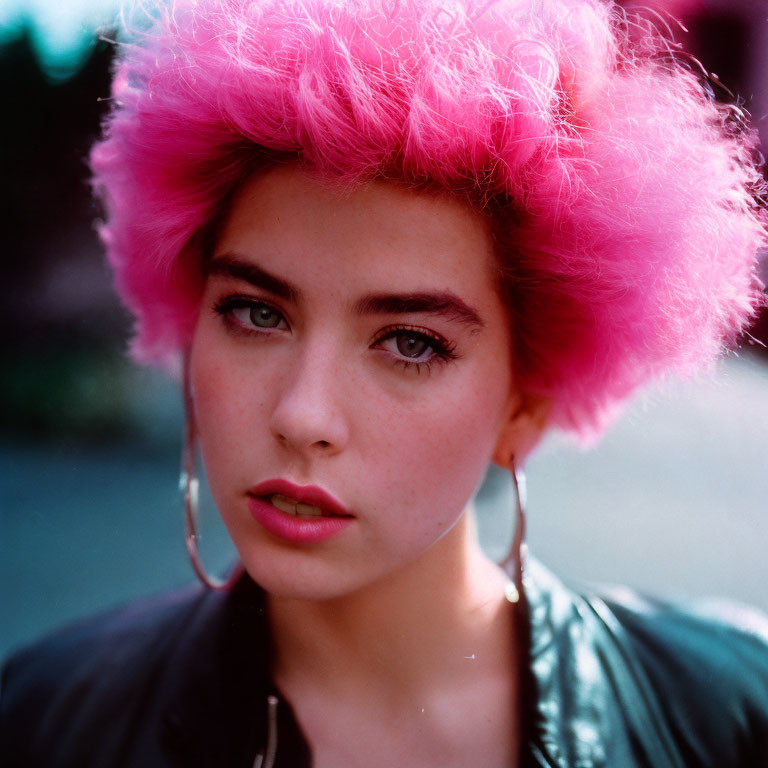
(593, 704)
(566, 699)
(219, 680)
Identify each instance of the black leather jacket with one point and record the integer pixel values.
(183, 680)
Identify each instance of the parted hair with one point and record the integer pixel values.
(624, 199)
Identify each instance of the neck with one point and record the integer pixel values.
(443, 617)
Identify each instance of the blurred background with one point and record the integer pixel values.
(674, 501)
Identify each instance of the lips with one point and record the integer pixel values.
(297, 514)
(306, 496)
(292, 507)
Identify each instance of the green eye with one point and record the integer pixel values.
(412, 345)
(415, 348)
(245, 315)
(264, 316)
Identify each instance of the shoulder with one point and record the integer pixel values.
(703, 667)
(85, 684)
(662, 684)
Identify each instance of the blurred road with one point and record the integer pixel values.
(674, 501)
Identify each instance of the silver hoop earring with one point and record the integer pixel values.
(189, 486)
(514, 562)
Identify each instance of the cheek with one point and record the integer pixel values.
(431, 458)
(225, 413)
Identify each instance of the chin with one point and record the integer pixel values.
(296, 580)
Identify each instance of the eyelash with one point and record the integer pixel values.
(226, 306)
(443, 351)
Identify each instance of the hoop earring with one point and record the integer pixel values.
(189, 486)
(514, 562)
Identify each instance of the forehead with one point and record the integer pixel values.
(380, 231)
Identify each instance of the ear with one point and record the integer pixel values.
(524, 425)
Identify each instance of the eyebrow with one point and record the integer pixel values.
(231, 266)
(442, 303)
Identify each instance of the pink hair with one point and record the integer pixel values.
(630, 233)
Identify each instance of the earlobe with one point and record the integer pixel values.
(523, 428)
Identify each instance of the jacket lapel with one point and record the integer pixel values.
(592, 708)
(216, 714)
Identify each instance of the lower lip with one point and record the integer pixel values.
(296, 529)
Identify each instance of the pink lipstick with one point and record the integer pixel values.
(297, 514)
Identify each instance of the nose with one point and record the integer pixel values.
(309, 416)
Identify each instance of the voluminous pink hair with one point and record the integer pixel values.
(628, 228)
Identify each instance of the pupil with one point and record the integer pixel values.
(411, 346)
(264, 317)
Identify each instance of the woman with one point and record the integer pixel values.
(393, 243)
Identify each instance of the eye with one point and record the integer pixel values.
(415, 347)
(249, 315)
(412, 345)
(261, 315)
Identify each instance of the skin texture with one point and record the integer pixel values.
(379, 621)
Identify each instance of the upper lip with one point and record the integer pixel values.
(304, 494)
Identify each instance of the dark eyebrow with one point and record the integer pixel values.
(443, 303)
(446, 304)
(231, 266)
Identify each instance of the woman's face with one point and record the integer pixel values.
(355, 343)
